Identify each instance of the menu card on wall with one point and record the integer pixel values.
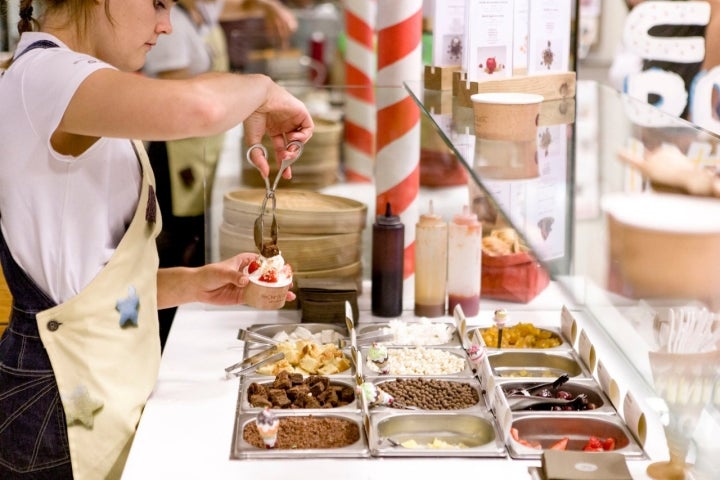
(549, 36)
(520, 37)
(489, 27)
(448, 33)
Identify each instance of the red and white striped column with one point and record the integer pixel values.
(360, 113)
(397, 163)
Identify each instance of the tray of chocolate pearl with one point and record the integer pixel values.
(433, 394)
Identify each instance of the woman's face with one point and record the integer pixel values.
(125, 36)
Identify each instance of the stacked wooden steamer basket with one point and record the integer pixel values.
(319, 235)
(427, 417)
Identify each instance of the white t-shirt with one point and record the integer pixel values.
(62, 216)
(184, 48)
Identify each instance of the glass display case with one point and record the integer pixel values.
(635, 253)
(559, 199)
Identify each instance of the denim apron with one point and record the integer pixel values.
(74, 377)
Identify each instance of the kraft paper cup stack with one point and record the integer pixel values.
(506, 116)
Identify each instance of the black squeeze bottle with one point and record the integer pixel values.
(387, 265)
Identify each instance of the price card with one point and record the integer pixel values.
(587, 351)
(635, 418)
(448, 33)
(489, 28)
(487, 380)
(608, 384)
(520, 36)
(549, 36)
(503, 414)
(568, 325)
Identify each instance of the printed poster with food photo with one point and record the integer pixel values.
(549, 36)
(489, 30)
(449, 33)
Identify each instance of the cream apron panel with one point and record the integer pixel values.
(104, 345)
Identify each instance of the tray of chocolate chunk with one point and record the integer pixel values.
(434, 434)
(271, 433)
(294, 391)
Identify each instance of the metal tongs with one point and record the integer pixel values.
(259, 227)
(242, 367)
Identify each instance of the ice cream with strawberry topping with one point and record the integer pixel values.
(272, 271)
(270, 280)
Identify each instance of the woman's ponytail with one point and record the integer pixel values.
(27, 22)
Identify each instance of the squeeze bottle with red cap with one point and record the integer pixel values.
(431, 241)
(388, 248)
(464, 262)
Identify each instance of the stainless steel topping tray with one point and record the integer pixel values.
(587, 386)
(244, 401)
(346, 351)
(475, 336)
(466, 372)
(367, 328)
(548, 429)
(243, 450)
(519, 364)
(474, 383)
(475, 430)
(270, 330)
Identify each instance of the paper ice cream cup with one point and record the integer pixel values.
(266, 296)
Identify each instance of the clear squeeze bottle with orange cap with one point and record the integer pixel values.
(388, 250)
(431, 238)
(464, 262)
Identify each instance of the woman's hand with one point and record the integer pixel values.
(219, 283)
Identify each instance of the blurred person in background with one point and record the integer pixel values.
(185, 169)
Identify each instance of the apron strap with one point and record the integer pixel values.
(38, 44)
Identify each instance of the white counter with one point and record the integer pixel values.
(186, 429)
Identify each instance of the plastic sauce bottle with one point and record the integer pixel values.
(464, 262)
(388, 248)
(431, 240)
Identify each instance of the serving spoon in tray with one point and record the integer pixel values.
(521, 402)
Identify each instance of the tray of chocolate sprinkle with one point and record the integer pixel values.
(289, 434)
